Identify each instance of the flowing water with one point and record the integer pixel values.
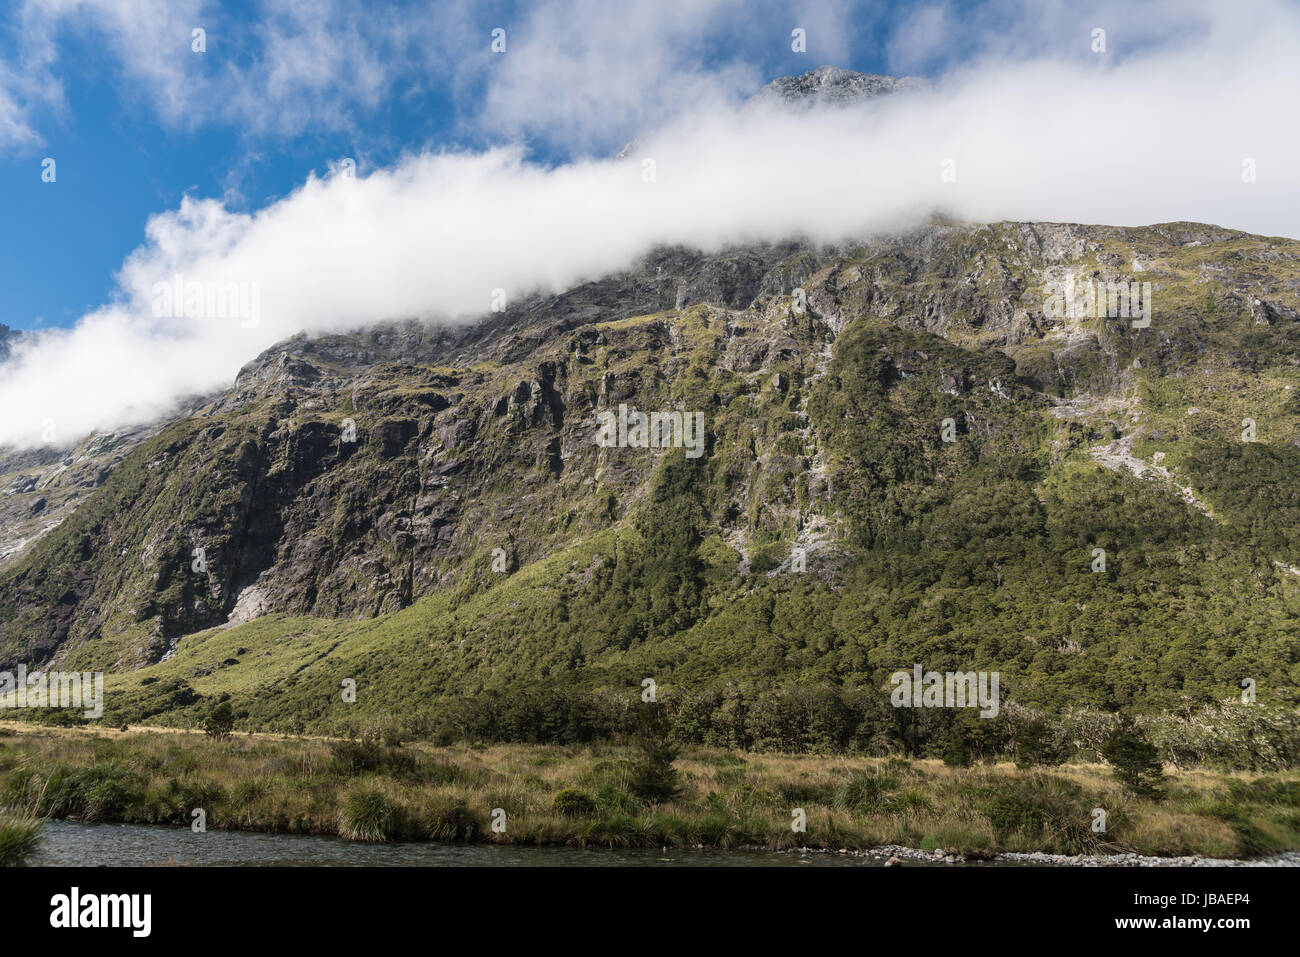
(137, 845)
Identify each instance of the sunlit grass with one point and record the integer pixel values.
(421, 792)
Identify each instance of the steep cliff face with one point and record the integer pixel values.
(347, 475)
(914, 398)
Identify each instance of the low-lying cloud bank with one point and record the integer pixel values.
(1169, 136)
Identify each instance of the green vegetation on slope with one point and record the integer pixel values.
(976, 554)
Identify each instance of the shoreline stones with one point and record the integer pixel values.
(896, 855)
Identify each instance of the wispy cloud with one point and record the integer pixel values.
(14, 129)
(302, 65)
(577, 74)
(147, 40)
(586, 73)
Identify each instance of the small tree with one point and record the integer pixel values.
(220, 721)
(654, 779)
(1036, 745)
(956, 749)
(1134, 760)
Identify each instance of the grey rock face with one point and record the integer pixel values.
(832, 85)
(8, 337)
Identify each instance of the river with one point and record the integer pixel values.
(67, 843)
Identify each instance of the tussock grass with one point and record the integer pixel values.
(583, 795)
(20, 833)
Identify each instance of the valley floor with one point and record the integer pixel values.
(587, 795)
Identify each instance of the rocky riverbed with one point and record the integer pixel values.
(893, 855)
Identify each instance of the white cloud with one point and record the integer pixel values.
(577, 73)
(586, 72)
(318, 63)
(149, 40)
(1157, 135)
(923, 39)
(14, 129)
(300, 65)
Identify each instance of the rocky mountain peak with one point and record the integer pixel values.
(824, 85)
(833, 85)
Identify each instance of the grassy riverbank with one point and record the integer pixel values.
(379, 791)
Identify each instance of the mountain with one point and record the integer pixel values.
(8, 338)
(826, 86)
(913, 447)
(829, 85)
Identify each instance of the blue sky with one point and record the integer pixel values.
(122, 157)
(120, 161)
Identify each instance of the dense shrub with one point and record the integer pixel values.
(1042, 807)
(369, 755)
(572, 802)
(1012, 812)
(97, 792)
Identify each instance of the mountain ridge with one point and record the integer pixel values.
(484, 437)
